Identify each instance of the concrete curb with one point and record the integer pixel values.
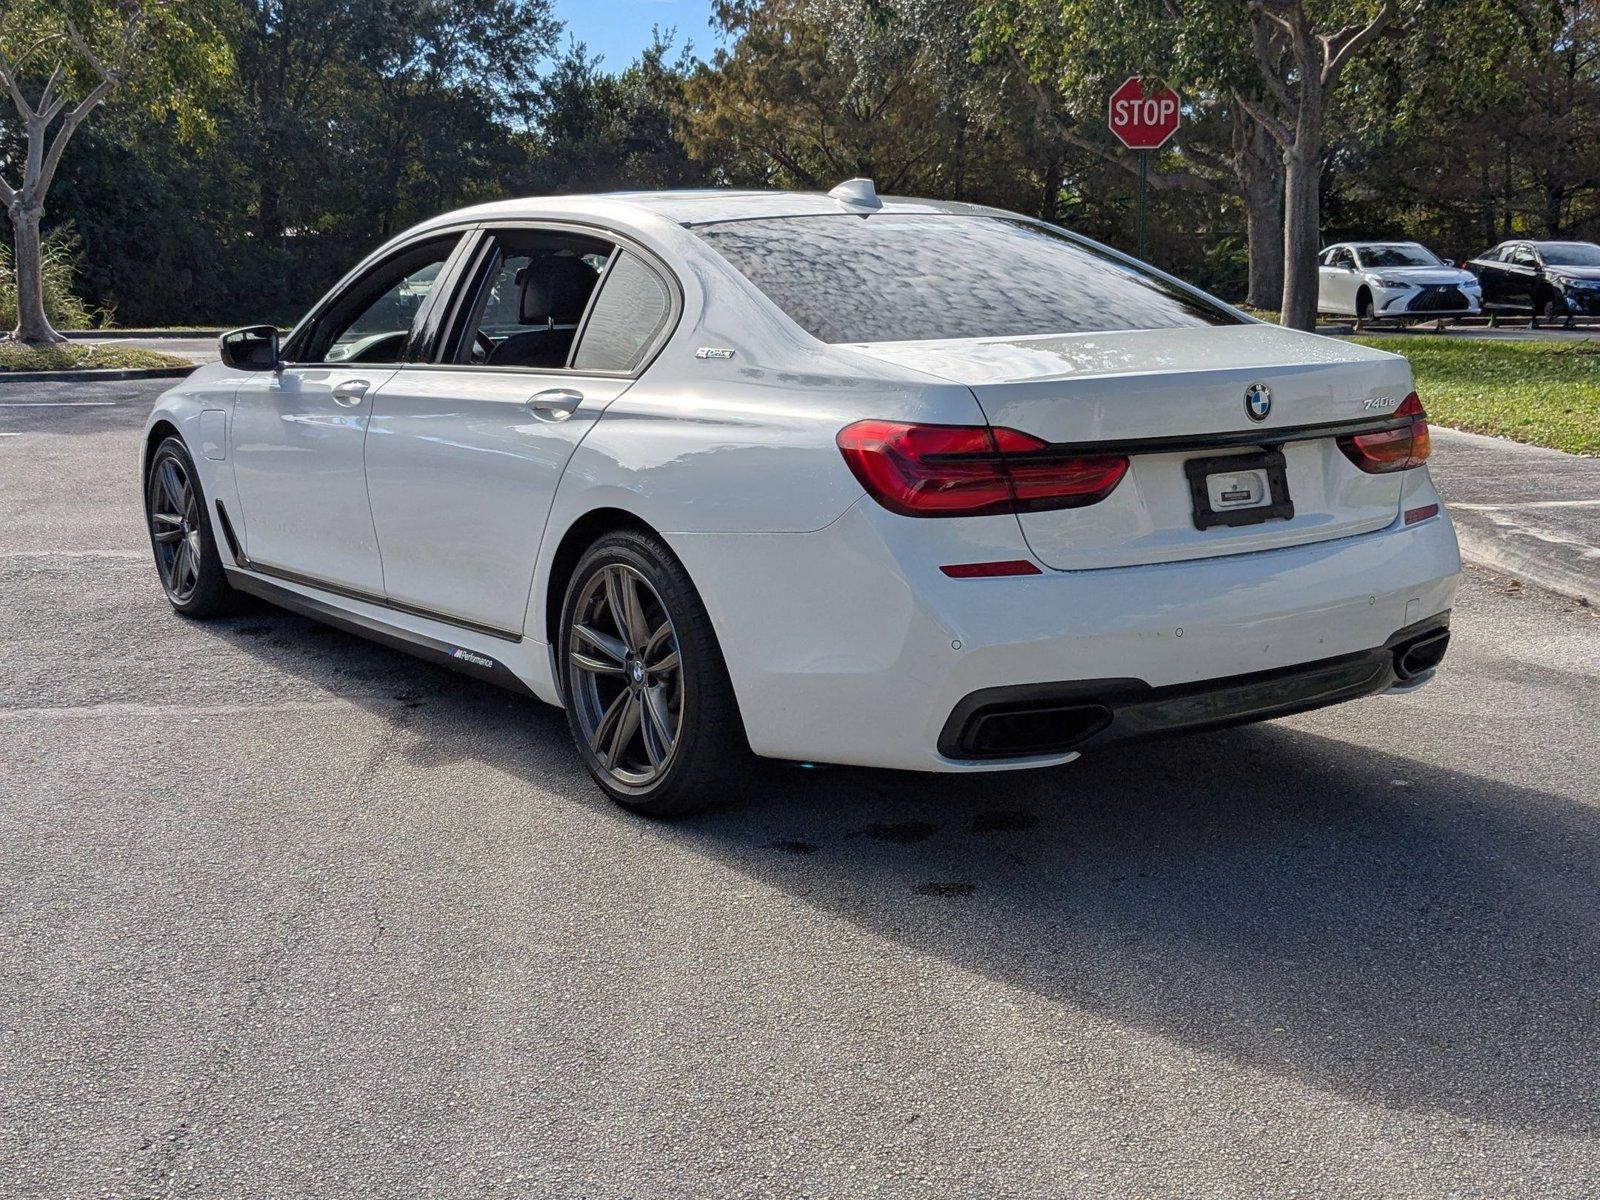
(1484, 545)
(1525, 511)
(111, 375)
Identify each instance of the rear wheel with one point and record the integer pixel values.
(180, 535)
(648, 698)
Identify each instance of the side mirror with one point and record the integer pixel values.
(254, 348)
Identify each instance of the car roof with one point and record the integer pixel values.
(703, 207)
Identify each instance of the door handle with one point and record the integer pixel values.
(349, 393)
(556, 404)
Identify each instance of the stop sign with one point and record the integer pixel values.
(1142, 119)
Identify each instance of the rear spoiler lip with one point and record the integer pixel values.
(1228, 439)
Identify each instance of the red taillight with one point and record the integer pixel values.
(970, 470)
(1393, 449)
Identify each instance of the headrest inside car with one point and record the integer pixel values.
(555, 290)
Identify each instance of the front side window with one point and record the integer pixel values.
(370, 322)
(630, 312)
(1398, 256)
(893, 277)
(1523, 257)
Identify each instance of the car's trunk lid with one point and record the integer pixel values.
(1165, 398)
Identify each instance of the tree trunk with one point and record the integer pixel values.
(1302, 212)
(1554, 200)
(1263, 222)
(32, 323)
(1050, 190)
(1301, 231)
(1259, 163)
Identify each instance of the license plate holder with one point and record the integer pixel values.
(1246, 508)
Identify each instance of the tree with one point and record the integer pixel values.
(1301, 68)
(1073, 55)
(596, 131)
(89, 69)
(816, 91)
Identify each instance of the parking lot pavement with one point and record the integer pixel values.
(283, 912)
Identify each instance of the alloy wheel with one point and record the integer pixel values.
(174, 508)
(625, 676)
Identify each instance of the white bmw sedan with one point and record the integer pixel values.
(828, 478)
(1397, 281)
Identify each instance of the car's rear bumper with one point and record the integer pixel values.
(1006, 722)
(845, 649)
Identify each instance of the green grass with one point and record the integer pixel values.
(1546, 393)
(75, 356)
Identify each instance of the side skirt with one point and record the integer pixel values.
(457, 658)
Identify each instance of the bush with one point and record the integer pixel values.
(63, 308)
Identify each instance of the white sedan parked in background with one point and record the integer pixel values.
(824, 477)
(1394, 280)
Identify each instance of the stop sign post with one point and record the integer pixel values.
(1143, 119)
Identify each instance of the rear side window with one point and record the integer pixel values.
(895, 278)
(630, 312)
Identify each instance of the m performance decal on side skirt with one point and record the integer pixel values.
(477, 660)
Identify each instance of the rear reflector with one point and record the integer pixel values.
(1397, 449)
(990, 570)
(970, 470)
(1413, 515)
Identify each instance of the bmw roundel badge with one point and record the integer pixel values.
(1258, 401)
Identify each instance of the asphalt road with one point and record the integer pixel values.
(282, 912)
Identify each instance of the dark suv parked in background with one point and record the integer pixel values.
(1553, 281)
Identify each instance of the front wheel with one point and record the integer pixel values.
(180, 535)
(648, 698)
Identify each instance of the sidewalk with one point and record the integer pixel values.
(1523, 510)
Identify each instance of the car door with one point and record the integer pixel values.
(1521, 277)
(298, 435)
(464, 454)
(1343, 281)
(1328, 283)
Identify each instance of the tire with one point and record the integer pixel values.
(661, 741)
(181, 538)
(1544, 309)
(1363, 310)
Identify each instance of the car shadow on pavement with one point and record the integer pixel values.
(1373, 926)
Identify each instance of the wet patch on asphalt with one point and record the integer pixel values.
(901, 833)
(1004, 822)
(793, 846)
(945, 889)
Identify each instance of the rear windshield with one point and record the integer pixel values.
(896, 278)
